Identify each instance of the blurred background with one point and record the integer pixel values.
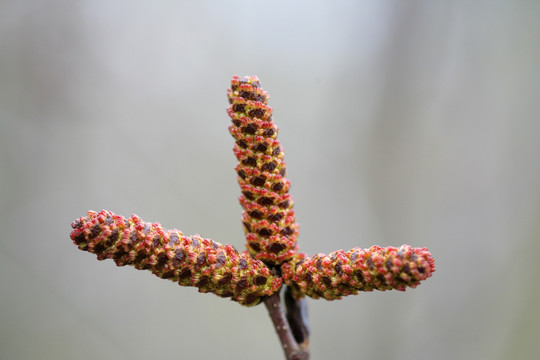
(403, 122)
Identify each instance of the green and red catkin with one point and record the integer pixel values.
(268, 217)
(187, 260)
(343, 273)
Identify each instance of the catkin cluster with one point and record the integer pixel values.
(269, 223)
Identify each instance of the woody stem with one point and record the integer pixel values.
(288, 343)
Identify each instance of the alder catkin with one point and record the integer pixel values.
(268, 216)
(169, 254)
(343, 273)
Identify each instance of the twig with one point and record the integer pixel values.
(290, 346)
(296, 312)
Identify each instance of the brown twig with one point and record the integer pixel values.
(290, 347)
(296, 312)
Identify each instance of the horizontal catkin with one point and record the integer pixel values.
(343, 273)
(169, 254)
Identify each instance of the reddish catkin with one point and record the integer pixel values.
(268, 217)
(343, 273)
(187, 260)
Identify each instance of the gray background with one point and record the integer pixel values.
(402, 122)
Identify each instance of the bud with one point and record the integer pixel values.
(268, 217)
(187, 260)
(345, 273)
